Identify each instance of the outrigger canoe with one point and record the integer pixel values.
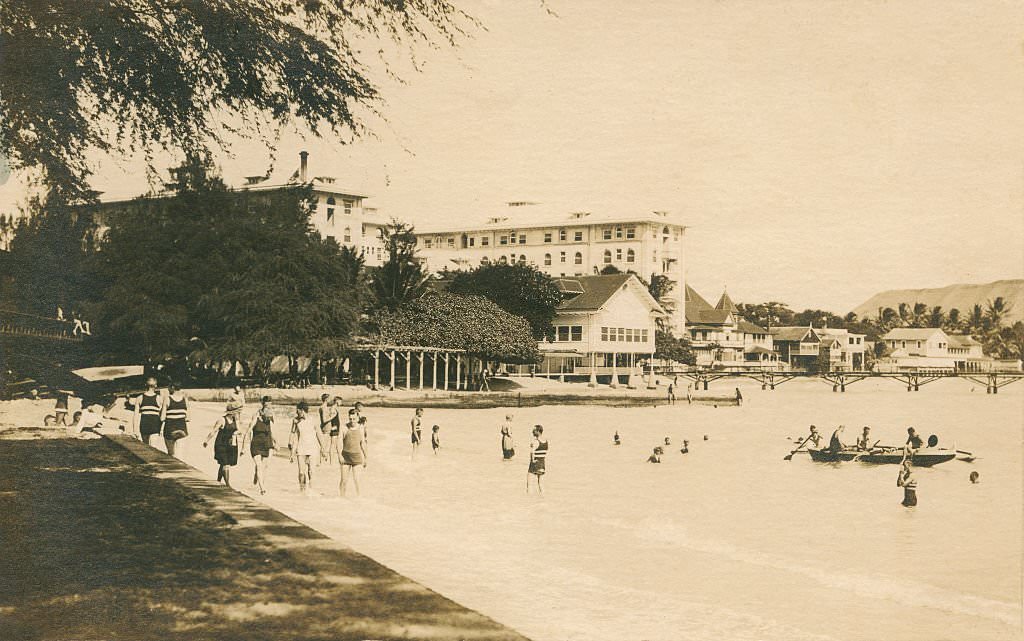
(924, 457)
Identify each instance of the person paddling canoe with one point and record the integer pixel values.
(835, 444)
(814, 436)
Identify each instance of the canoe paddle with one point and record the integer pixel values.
(789, 457)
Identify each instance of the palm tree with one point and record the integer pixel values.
(919, 314)
(402, 278)
(953, 320)
(976, 322)
(996, 312)
(905, 314)
(937, 317)
(887, 319)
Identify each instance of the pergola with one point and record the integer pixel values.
(394, 353)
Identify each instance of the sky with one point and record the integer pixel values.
(819, 152)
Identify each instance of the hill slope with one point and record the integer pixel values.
(962, 297)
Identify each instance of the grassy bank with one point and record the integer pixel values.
(101, 546)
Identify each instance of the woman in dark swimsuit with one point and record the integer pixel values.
(147, 411)
(175, 418)
(416, 434)
(225, 447)
(538, 456)
(261, 442)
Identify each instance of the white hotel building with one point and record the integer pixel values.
(564, 244)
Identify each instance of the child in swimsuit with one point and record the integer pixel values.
(435, 438)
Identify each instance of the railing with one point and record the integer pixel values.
(14, 323)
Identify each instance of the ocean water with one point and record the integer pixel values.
(728, 541)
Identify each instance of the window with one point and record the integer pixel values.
(561, 235)
(576, 332)
(643, 335)
(563, 333)
(607, 256)
(472, 241)
(622, 334)
(484, 241)
(348, 207)
(503, 240)
(618, 254)
(607, 233)
(604, 333)
(611, 335)
(578, 258)
(547, 259)
(578, 236)
(511, 259)
(561, 256)
(330, 215)
(522, 239)
(330, 201)
(348, 235)
(547, 237)
(631, 232)
(451, 243)
(630, 256)
(618, 232)
(427, 243)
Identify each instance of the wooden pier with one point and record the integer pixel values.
(912, 380)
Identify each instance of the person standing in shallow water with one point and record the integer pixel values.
(353, 454)
(416, 433)
(148, 409)
(538, 457)
(908, 482)
(175, 418)
(261, 442)
(225, 447)
(508, 448)
(304, 442)
(739, 397)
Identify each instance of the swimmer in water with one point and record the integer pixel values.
(655, 456)
(686, 447)
(974, 476)
(616, 438)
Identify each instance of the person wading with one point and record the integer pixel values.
(146, 419)
(225, 447)
(304, 442)
(175, 418)
(260, 436)
(908, 482)
(508, 448)
(538, 456)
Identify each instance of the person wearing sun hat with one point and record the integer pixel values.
(225, 446)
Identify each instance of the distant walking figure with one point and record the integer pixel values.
(484, 383)
(175, 418)
(739, 397)
(908, 482)
(689, 394)
(671, 394)
(416, 434)
(508, 449)
(148, 408)
(225, 446)
(538, 456)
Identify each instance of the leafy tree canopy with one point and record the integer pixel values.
(519, 289)
(668, 347)
(472, 323)
(232, 275)
(149, 75)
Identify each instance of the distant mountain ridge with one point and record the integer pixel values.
(962, 297)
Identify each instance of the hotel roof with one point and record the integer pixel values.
(596, 291)
(532, 216)
(911, 333)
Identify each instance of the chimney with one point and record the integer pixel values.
(303, 158)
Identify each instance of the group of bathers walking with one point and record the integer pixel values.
(156, 412)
